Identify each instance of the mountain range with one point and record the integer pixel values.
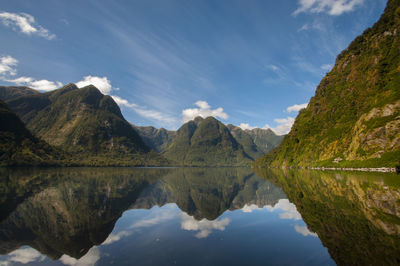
(354, 118)
(88, 128)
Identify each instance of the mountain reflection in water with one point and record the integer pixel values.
(197, 216)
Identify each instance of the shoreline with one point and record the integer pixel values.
(379, 170)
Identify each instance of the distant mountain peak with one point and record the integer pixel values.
(198, 119)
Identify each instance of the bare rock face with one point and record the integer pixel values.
(376, 132)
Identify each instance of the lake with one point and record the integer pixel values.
(198, 216)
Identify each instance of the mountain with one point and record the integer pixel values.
(206, 142)
(256, 142)
(18, 146)
(156, 139)
(11, 92)
(86, 124)
(354, 118)
(265, 139)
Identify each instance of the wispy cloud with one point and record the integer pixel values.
(203, 110)
(8, 65)
(146, 113)
(8, 71)
(205, 227)
(331, 7)
(296, 107)
(25, 24)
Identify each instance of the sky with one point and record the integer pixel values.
(252, 63)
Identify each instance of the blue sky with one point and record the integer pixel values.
(165, 61)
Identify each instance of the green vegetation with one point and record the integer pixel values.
(356, 215)
(355, 113)
(247, 142)
(8, 93)
(18, 147)
(87, 125)
(206, 142)
(253, 142)
(257, 141)
(156, 139)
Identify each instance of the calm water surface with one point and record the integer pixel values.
(194, 216)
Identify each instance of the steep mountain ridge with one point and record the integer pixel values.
(256, 142)
(354, 118)
(156, 139)
(86, 124)
(18, 146)
(206, 142)
(8, 93)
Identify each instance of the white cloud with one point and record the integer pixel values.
(204, 226)
(26, 255)
(284, 125)
(102, 83)
(289, 210)
(8, 68)
(331, 7)
(296, 107)
(304, 231)
(90, 258)
(25, 24)
(123, 102)
(326, 67)
(204, 111)
(250, 208)
(40, 85)
(7, 65)
(246, 126)
(161, 215)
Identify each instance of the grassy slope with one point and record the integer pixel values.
(366, 76)
(86, 124)
(18, 147)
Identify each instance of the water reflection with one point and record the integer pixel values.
(230, 216)
(356, 215)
